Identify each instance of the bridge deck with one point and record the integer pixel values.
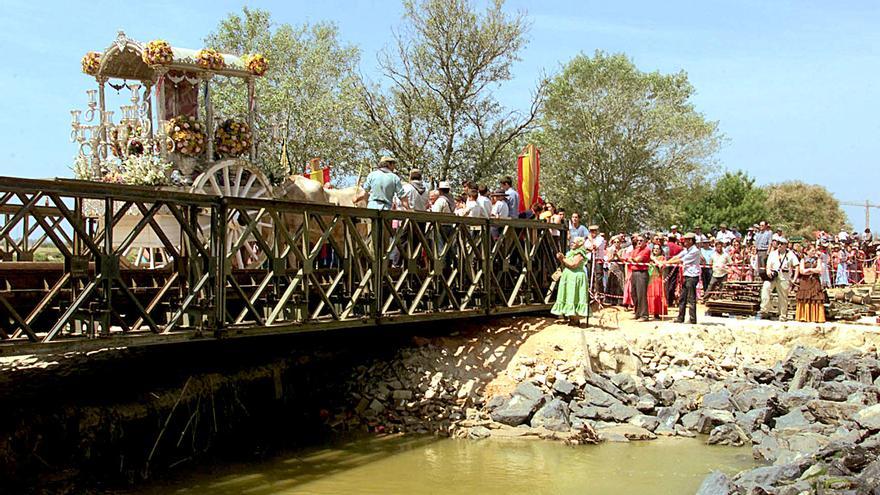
(241, 267)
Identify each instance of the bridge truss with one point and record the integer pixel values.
(313, 266)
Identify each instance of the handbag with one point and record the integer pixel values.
(556, 275)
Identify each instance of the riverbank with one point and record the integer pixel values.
(801, 395)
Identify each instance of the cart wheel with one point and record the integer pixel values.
(239, 179)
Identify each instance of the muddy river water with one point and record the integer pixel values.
(428, 465)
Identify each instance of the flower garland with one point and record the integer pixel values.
(257, 64)
(210, 59)
(188, 135)
(91, 62)
(233, 138)
(158, 52)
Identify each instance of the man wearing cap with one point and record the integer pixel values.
(442, 204)
(699, 238)
(499, 205)
(782, 267)
(706, 252)
(383, 185)
(724, 235)
(673, 232)
(512, 196)
(720, 261)
(763, 238)
(690, 259)
(640, 258)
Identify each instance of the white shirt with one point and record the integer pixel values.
(597, 244)
(719, 264)
(417, 201)
(441, 205)
(474, 209)
(785, 265)
(500, 209)
(725, 236)
(690, 260)
(485, 202)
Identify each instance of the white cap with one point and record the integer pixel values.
(782, 240)
(444, 184)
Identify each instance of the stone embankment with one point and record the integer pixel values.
(810, 414)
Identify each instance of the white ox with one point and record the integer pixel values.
(299, 188)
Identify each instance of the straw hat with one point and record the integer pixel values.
(387, 159)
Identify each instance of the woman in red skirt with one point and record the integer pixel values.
(657, 306)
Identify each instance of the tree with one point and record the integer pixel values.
(620, 144)
(438, 112)
(733, 199)
(310, 92)
(802, 209)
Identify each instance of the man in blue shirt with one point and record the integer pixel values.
(575, 229)
(383, 185)
(512, 197)
(762, 244)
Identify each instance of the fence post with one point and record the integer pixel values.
(219, 265)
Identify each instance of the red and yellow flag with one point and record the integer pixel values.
(316, 173)
(528, 166)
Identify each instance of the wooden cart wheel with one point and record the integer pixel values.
(238, 179)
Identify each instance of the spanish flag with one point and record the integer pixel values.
(528, 165)
(316, 173)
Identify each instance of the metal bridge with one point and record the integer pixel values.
(236, 267)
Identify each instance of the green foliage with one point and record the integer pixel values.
(310, 90)
(802, 209)
(621, 144)
(733, 199)
(437, 112)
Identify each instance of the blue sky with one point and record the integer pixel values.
(793, 84)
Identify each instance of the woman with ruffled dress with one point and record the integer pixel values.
(572, 296)
(657, 306)
(811, 294)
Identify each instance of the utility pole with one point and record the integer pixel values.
(867, 205)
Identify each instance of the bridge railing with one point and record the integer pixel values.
(234, 266)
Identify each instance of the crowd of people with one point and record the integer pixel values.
(652, 271)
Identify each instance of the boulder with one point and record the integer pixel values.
(528, 390)
(517, 410)
(690, 387)
(831, 373)
(802, 355)
(838, 391)
(644, 421)
(728, 434)
(552, 416)
(690, 420)
(829, 412)
(583, 410)
(717, 483)
(754, 419)
(668, 416)
(767, 476)
(646, 403)
(794, 419)
(598, 397)
(479, 433)
(628, 431)
(868, 418)
(761, 396)
(621, 413)
(718, 400)
(625, 382)
(495, 402)
(710, 418)
(805, 375)
(797, 398)
(563, 387)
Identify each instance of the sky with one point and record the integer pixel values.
(793, 84)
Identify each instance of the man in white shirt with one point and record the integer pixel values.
(473, 208)
(416, 192)
(690, 259)
(483, 198)
(499, 205)
(720, 260)
(724, 235)
(440, 202)
(512, 197)
(782, 266)
(595, 244)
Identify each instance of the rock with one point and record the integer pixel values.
(552, 416)
(625, 382)
(832, 372)
(728, 434)
(802, 355)
(628, 431)
(799, 445)
(517, 410)
(621, 413)
(767, 476)
(717, 483)
(644, 421)
(868, 418)
(495, 402)
(646, 403)
(528, 390)
(805, 375)
(831, 412)
(690, 420)
(691, 387)
(402, 395)
(836, 391)
(598, 397)
(797, 398)
(754, 419)
(760, 375)
(563, 387)
(710, 418)
(718, 400)
(376, 406)
(583, 410)
(870, 475)
(668, 416)
(765, 447)
(752, 398)
(794, 419)
(479, 433)
(467, 390)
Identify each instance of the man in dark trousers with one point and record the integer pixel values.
(640, 258)
(689, 259)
